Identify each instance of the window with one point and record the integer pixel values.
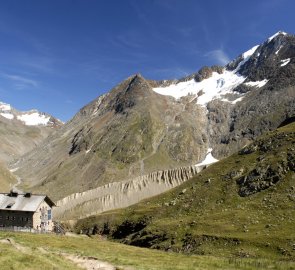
(7, 217)
(10, 205)
(13, 218)
(0, 217)
(49, 214)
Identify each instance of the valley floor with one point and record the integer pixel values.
(31, 251)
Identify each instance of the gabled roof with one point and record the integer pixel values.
(22, 202)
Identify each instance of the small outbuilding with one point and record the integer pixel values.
(26, 210)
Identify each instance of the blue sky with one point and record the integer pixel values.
(58, 55)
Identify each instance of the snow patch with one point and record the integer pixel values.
(285, 62)
(5, 107)
(246, 56)
(98, 103)
(250, 52)
(277, 52)
(34, 119)
(232, 101)
(275, 35)
(13, 170)
(257, 83)
(9, 116)
(209, 159)
(214, 87)
(88, 150)
(236, 100)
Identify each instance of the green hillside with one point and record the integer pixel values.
(28, 251)
(242, 206)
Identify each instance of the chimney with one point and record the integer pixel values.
(27, 194)
(13, 193)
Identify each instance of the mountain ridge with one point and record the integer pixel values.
(133, 131)
(20, 132)
(30, 118)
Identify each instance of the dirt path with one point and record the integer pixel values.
(14, 187)
(89, 263)
(16, 245)
(85, 262)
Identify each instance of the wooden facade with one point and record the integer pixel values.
(26, 210)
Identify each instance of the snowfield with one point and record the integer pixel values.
(4, 107)
(214, 87)
(34, 119)
(7, 115)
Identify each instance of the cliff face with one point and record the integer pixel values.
(121, 194)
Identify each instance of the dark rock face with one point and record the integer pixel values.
(206, 72)
(259, 179)
(129, 227)
(266, 61)
(136, 90)
(267, 172)
(80, 141)
(261, 109)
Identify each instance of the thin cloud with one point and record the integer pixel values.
(129, 39)
(69, 101)
(168, 73)
(40, 64)
(185, 31)
(219, 56)
(20, 82)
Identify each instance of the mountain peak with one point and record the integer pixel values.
(279, 33)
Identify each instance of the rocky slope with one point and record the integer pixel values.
(142, 126)
(20, 132)
(7, 179)
(242, 206)
(121, 194)
(129, 132)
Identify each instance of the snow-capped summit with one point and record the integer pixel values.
(29, 118)
(34, 118)
(5, 111)
(277, 34)
(4, 106)
(247, 70)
